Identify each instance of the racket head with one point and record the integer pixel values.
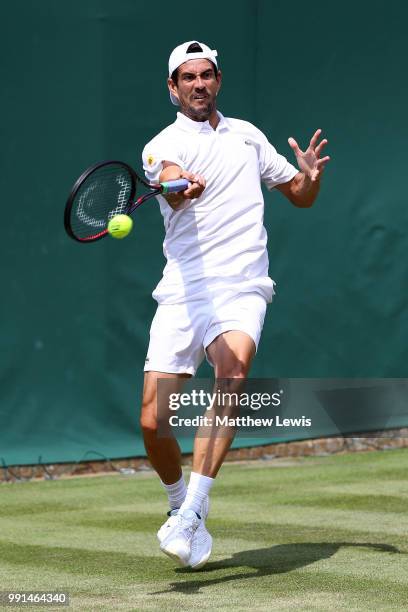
(104, 190)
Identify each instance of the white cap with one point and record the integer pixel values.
(179, 55)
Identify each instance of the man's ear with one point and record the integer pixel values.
(172, 87)
(219, 79)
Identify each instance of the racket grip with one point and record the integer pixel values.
(174, 186)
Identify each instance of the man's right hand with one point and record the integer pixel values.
(194, 190)
(196, 187)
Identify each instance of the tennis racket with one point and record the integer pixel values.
(103, 191)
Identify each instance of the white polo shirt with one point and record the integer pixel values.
(217, 241)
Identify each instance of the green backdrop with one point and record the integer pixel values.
(86, 80)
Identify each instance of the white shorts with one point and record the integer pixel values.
(180, 333)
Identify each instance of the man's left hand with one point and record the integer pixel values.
(309, 161)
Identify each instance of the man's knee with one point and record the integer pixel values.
(148, 418)
(232, 353)
(154, 421)
(236, 369)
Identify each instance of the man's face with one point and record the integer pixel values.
(196, 88)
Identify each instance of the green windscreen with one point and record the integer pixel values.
(86, 81)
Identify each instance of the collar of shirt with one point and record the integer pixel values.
(185, 123)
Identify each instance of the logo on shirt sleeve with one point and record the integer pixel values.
(150, 159)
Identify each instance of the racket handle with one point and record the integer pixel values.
(173, 186)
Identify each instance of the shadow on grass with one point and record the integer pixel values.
(127, 567)
(73, 561)
(266, 562)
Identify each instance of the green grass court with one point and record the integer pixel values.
(322, 533)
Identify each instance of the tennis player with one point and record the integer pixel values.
(215, 286)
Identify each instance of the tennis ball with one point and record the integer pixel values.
(120, 226)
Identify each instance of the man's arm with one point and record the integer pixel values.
(197, 184)
(302, 190)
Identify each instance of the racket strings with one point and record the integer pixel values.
(106, 192)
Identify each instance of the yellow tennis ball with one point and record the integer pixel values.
(120, 226)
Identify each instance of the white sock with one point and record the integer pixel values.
(197, 490)
(176, 492)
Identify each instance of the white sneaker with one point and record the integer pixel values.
(201, 546)
(166, 527)
(171, 521)
(177, 543)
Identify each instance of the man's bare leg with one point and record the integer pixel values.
(232, 354)
(164, 452)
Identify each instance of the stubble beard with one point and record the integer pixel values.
(202, 114)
